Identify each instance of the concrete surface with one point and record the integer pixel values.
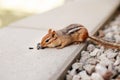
(17, 62)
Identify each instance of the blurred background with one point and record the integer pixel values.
(12, 10)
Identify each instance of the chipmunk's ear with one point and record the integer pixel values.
(50, 30)
(53, 33)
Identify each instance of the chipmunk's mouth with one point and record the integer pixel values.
(39, 46)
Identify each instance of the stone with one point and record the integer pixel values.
(76, 77)
(72, 72)
(95, 52)
(96, 76)
(69, 77)
(117, 68)
(108, 51)
(84, 53)
(89, 68)
(117, 62)
(119, 53)
(112, 60)
(101, 69)
(84, 56)
(102, 49)
(112, 69)
(108, 75)
(90, 47)
(111, 55)
(77, 65)
(107, 30)
(84, 75)
(102, 56)
(92, 61)
(114, 27)
(117, 38)
(106, 62)
(109, 35)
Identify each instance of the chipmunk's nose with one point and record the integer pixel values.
(39, 46)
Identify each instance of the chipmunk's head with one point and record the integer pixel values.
(49, 40)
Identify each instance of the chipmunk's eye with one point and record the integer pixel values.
(47, 40)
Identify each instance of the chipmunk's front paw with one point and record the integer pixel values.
(59, 47)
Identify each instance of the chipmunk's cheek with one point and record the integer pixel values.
(51, 45)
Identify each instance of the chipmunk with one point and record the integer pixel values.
(74, 33)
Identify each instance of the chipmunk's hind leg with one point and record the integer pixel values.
(82, 37)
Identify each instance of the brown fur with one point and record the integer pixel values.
(74, 33)
(62, 38)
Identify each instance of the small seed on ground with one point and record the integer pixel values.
(31, 48)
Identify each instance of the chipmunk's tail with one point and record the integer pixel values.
(104, 42)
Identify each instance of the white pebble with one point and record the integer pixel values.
(107, 30)
(114, 27)
(76, 77)
(104, 72)
(111, 55)
(84, 53)
(112, 69)
(96, 76)
(100, 69)
(101, 64)
(106, 61)
(108, 51)
(77, 65)
(109, 35)
(102, 48)
(92, 61)
(84, 75)
(102, 56)
(117, 62)
(90, 47)
(72, 72)
(95, 52)
(117, 68)
(117, 38)
(89, 68)
(84, 57)
(69, 77)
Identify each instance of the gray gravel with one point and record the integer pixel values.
(96, 62)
